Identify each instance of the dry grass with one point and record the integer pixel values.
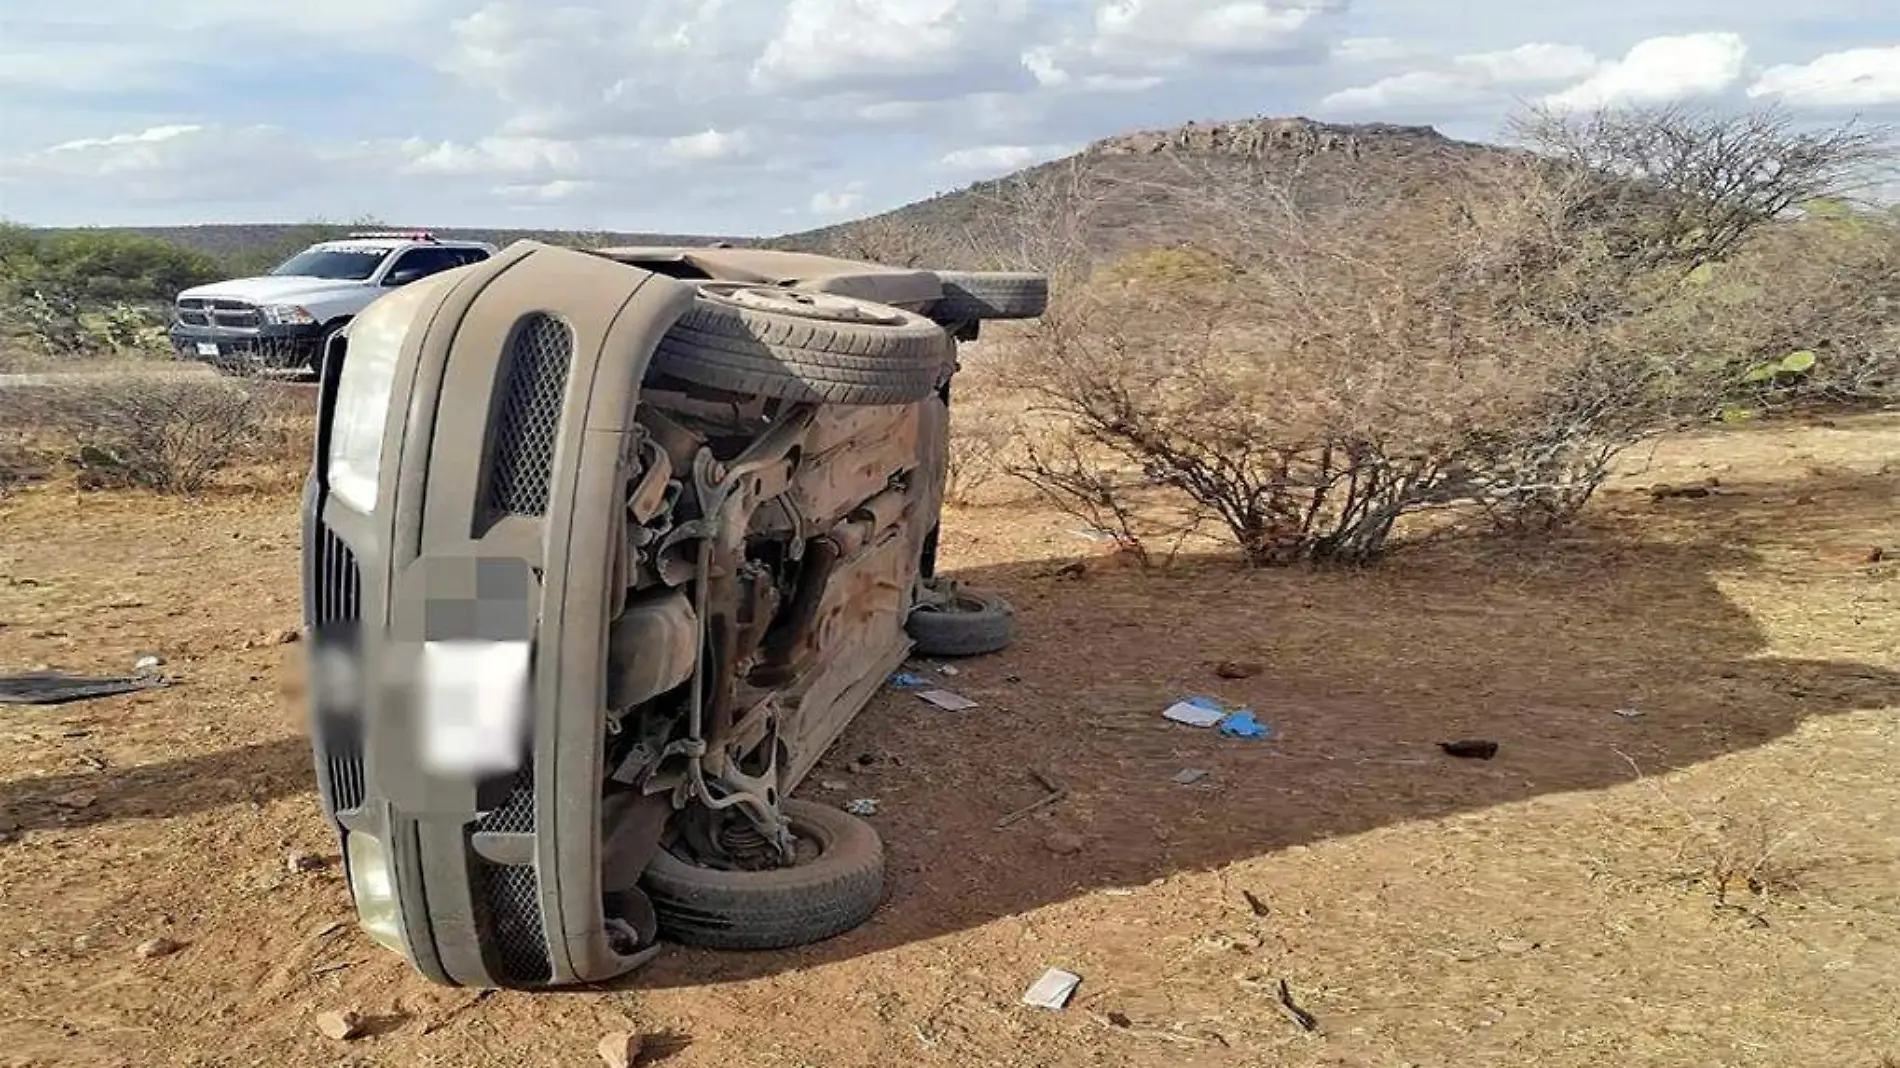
(1529, 910)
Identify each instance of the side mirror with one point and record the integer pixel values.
(402, 276)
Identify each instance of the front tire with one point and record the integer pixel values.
(777, 908)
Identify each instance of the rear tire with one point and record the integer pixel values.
(978, 295)
(815, 348)
(781, 907)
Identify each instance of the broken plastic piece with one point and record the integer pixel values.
(906, 680)
(862, 806)
(54, 688)
(1053, 990)
(1241, 724)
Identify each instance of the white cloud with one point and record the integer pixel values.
(492, 156)
(710, 146)
(184, 164)
(1371, 50)
(1414, 88)
(856, 43)
(1535, 62)
(1857, 77)
(1659, 70)
(841, 202)
(1002, 158)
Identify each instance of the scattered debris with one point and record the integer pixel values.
(835, 784)
(153, 948)
(1630, 713)
(1190, 776)
(1012, 678)
(148, 662)
(1056, 793)
(1196, 711)
(339, 1026)
(1065, 843)
(57, 688)
(906, 680)
(950, 670)
(1515, 946)
(297, 862)
(1241, 724)
(949, 702)
(1301, 1018)
(1053, 990)
(621, 1049)
(1471, 749)
(325, 929)
(861, 806)
(1258, 906)
(1239, 669)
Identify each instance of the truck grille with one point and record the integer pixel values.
(210, 311)
(511, 896)
(339, 600)
(534, 394)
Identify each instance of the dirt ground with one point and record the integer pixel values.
(1715, 881)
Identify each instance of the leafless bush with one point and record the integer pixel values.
(169, 434)
(1311, 378)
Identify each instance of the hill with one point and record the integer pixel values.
(1132, 187)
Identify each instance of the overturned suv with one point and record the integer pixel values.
(602, 551)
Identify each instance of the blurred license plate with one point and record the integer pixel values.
(207, 348)
(474, 706)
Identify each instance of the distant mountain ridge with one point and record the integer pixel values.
(1134, 181)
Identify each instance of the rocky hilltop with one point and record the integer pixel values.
(1137, 182)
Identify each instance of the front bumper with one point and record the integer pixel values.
(290, 348)
(498, 477)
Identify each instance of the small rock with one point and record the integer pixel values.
(1515, 946)
(285, 636)
(1471, 749)
(621, 1049)
(298, 862)
(76, 799)
(1064, 843)
(1239, 669)
(1189, 776)
(835, 784)
(339, 1026)
(1876, 554)
(148, 662)
(153, 948)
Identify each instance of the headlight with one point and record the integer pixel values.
(363, 395)
(374, 889)
(287, 315)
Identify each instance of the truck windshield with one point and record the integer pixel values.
(352, 265)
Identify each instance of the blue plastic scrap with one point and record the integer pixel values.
(1241, 724)
(905, 680)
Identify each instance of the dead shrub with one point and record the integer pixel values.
(1313, 377)
(168, 434)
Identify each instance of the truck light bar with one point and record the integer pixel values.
(403, 235)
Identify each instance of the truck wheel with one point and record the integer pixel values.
(967, 624)
(819, 898)
(821, 348)
(975, 295)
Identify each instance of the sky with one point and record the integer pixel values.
(744, 117)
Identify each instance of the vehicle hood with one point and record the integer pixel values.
(276, 289)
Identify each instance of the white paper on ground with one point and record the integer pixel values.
(949, 702)
(1193, 715)
(1052, 991)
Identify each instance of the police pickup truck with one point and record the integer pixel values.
(279, 323)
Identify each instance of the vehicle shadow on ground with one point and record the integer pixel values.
(1363, 674)
(258, 773)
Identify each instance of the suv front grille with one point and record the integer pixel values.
(534, 393)
(339, 601)
(512, 898)
(208, 311)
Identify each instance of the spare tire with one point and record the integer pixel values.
(971, 624)
(776, 908)
(818, 348)
(977, 295)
